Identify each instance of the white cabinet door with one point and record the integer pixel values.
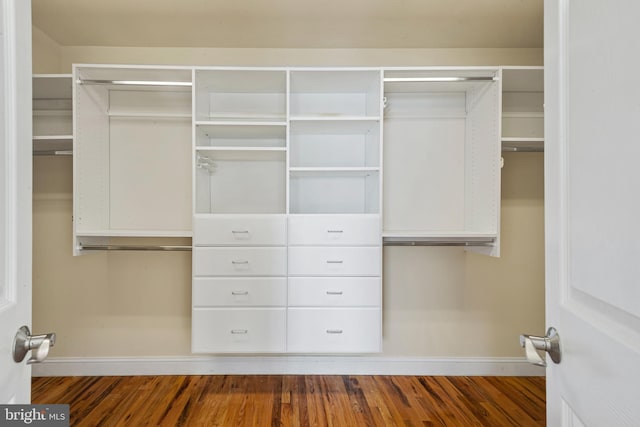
(592, 124)
(15, 193)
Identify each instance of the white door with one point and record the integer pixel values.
(15, 193)
(592, 196)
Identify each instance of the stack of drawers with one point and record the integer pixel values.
(239, 284)
(296, 284)
(334, 296)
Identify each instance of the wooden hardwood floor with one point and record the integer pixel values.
(227, 400)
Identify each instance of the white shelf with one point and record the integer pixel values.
(52, 137)
(336, 169)
(522, 115)
(52, 144)
(141, 115)
(334, 117)
(230, 148)
(243, 121)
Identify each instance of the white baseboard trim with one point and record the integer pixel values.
(284, 365)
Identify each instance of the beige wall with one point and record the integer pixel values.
(46, 53)
(437, 301)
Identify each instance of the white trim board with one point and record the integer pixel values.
(284, 365)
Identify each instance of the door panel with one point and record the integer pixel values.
(592, 121)
(15, 193)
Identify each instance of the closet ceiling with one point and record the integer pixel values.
(292, 23)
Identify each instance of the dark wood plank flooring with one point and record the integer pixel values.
(310, 400)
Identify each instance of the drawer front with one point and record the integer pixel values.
(334, 330)
(334, 261)
(335, 291)
(240, 230)
(334, 230)
(239, 292)
(239, 261)
(238, 330)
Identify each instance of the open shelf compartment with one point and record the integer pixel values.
(240, 95)
(335, 93)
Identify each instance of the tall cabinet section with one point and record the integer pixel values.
(287, 201)
(239, 299)
(335, 253)
(52, 114)
(132, 173)
(523, 109)
(442, 157)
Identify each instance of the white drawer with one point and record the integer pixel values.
(238, 330)
(239, 261)
(335, 291)
(240, 230)
(334, 230)
(334, 261)
(239, 291)
(333, 330)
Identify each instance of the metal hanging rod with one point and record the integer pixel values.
(133, 83)
(133, 248)
(436, 243)
(523, 149)
(53, 153)
(439, 79)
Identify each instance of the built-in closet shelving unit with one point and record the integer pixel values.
(278, 176)
(240, 226)
(442, 157)
(132, 168)
(523, 109)
(52, 114)
(287, 246)
(335, 169)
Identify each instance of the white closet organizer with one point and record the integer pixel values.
(287, 244)
(132, 163)
(522, 109)
(239, 256)
(52, 114)
(280, 172)
(335, 252)
(442, 157)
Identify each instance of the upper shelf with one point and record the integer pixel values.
(52, 114)
(133, 78)
(52, 86)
